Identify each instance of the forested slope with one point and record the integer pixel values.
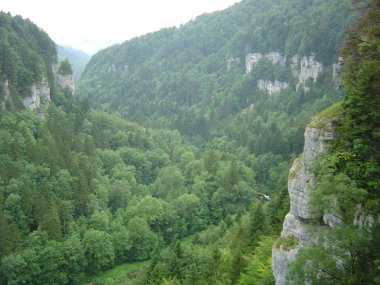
(27, 55)
(347, 251)
(192, 77)
(219, 106)
(82, 190)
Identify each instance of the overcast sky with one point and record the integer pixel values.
(93, 25)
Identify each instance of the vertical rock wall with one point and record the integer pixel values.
(317, 135)
(39, 96)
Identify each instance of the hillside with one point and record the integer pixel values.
(175, 151)
(192, 77)
(27, 58)
(82, 190)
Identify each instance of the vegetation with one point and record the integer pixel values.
(64, 67)
(77, 59)
(84, 190)
(179, 78)
(348, 176)
(27, 55)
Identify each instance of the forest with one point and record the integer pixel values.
(169, 156)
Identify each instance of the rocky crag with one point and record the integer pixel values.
(301, 217)
(305, 70)
(39, 97)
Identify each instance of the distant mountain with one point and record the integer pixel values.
(77, 58)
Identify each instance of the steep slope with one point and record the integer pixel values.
(218, 64)
(82, 190)
(29, 72)
(295, 233)
(332, 233)
(26, 68)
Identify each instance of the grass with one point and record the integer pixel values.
(326, 116)
(121, 274)
(286, 243)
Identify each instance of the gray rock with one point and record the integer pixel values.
(272, 87)
(39, 95)
(297, 221)
(66, 81)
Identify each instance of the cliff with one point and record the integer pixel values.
(295, 234)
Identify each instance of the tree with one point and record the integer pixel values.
(169, 183)
(65, 67)
(144, 241)
(51, 223)
(120, 240)
(259, 268)
(188, 209)
(258, 224)
(14, 214)
(341, 256)
(98, 250)
(360, 131)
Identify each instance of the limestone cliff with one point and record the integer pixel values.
(317, 134)
(66, 81)
(305, 71)
(271, 87)
(39, 96)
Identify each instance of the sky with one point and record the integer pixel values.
(92, 25)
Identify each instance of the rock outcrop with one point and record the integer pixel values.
(272, 87)
(317, 134)
(305, 70)
(254, 58)
(337, 75)
(66, 81)
(39, 96)
(309, 69)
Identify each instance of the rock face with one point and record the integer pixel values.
(310, 69)
(272, 87)
(305, 70)
(337, 75)
(66, 81)
(253, 58)
(39, 93)
(300, 179)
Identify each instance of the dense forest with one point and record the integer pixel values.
(192, 77)
(171, 153)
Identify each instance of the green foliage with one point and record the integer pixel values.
(343, 255)
(26, 54)
(360, 127)
(178, 77)
(259, 269)
(347, 185)
(77, 59)
(64, 67)
(286, 243)
(82, 190)
(99, 251)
